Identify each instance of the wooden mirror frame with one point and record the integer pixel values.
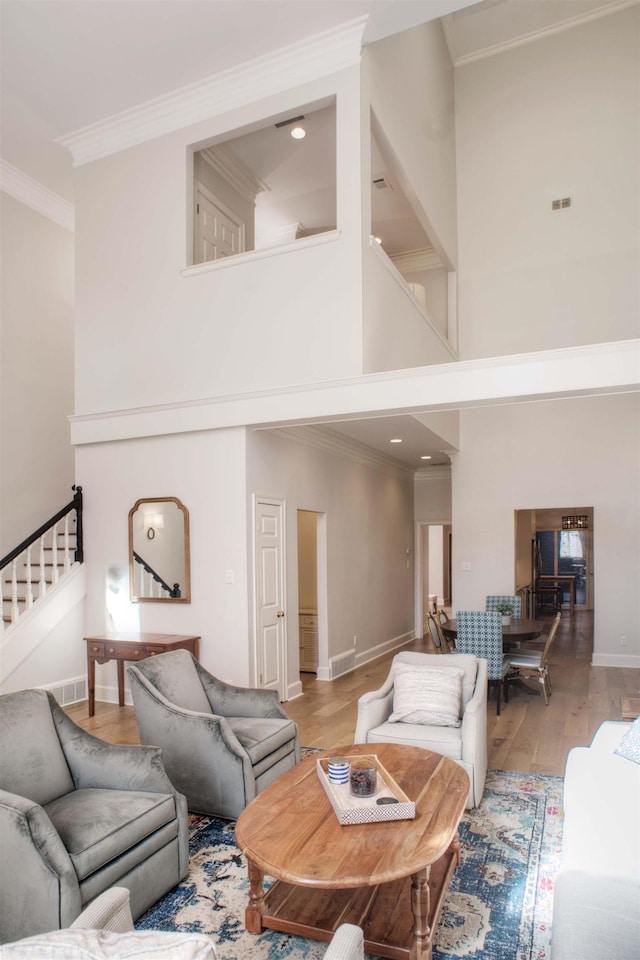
(160, 590)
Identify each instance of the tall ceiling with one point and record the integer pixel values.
(66, 64)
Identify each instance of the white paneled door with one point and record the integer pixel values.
(219, 232)
(271, 628)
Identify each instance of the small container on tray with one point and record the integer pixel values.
(351, 810)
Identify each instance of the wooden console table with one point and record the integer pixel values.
(129, 646)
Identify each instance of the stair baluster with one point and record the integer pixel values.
(29, 584)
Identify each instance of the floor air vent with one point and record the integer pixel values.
(343, 664)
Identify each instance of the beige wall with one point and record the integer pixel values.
(206, 471)
(545, 120)
(146, 334)
(412, 95)
(368, 512)
(36, 381)
(535, 456)
(307, 560)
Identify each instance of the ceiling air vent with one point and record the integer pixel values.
(286, 123)
(561, 204)
(381, 184)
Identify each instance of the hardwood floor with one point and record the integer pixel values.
(528, 736)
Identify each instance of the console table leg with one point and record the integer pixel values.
(420, 905)
(255, 908)
(120, 666)
(91, 679)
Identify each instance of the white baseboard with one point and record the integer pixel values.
(294, 690)
(110, 694)
(615, 660)
(387, 647)
(366, 656)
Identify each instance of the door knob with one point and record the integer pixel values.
(280, 613)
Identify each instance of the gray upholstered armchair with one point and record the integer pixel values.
(78, 815)
(466, 743)
(221, 745)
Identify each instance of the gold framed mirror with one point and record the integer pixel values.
(159, 551)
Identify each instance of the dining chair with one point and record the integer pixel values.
(480, 633)
(441, 615)
(493, 602)
(440, 642)
(534, 665)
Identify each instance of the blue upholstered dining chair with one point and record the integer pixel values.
(492, 603)
(480, 633)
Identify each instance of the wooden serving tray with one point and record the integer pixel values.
(351, 810)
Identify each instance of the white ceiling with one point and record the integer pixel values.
(66, 64)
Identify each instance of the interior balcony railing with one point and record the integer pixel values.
(38, 563)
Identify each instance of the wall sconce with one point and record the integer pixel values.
(578, 521)
(151, 523)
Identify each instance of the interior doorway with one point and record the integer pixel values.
(432, 570)
(312, 646)
(554, 549)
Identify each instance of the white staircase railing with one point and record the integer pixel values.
(58, 546)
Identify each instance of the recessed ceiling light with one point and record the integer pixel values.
(396, 440)
(425, 457)
(298, 133)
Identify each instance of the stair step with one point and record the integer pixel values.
(28, 581)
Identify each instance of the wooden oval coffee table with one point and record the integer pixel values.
(388, 877)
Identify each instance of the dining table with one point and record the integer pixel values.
(516, 630)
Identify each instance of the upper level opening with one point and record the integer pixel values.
(266, 187)
(398, 228)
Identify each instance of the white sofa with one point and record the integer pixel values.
(596, 912)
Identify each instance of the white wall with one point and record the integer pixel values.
(206, 471)
(396, 332)
(369, 523)
(546, 120)
(146, 334)
(412, 95)
(45, 649)
(540, 455)
(432, 494)
(36, 381)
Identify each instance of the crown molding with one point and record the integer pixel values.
(230, 169)
(429, 474)
(33, 194)
(316, 57)
(567, 24)
(327, 440)
(415, 261)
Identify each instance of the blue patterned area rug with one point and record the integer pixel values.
(498, 906)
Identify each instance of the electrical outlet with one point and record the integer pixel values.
(228, 576)
(465, 565)
(623, 641)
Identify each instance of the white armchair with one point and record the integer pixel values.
(466, 743)
(105, 931)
